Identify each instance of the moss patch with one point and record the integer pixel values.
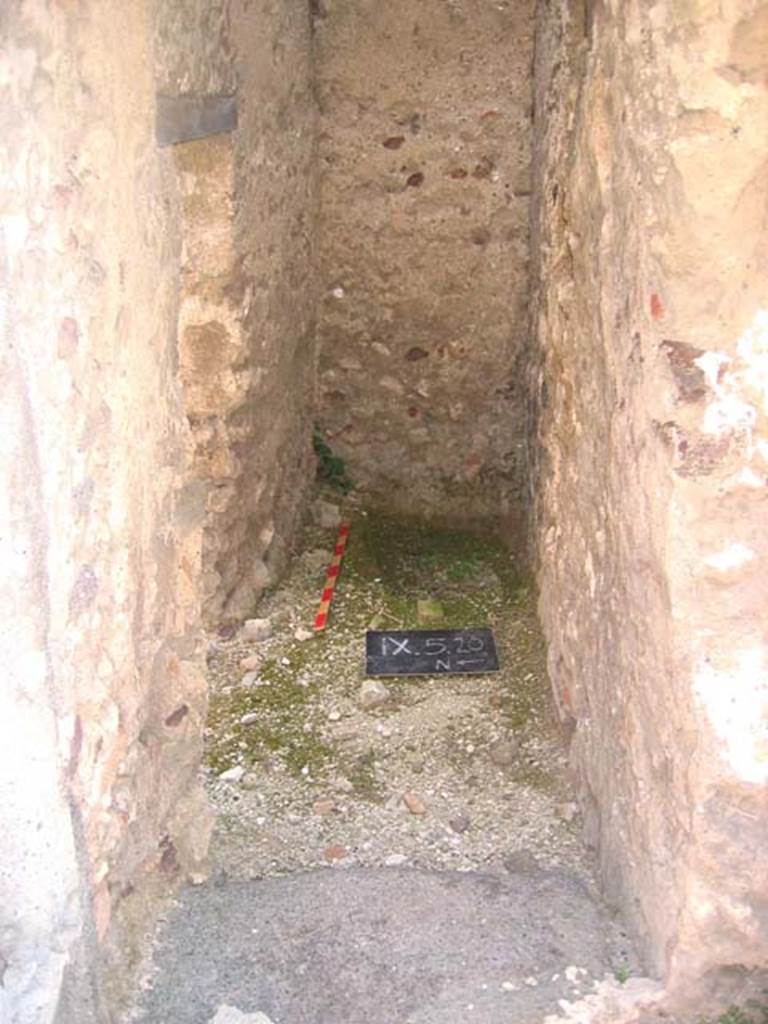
(408, 561)
(279, 729)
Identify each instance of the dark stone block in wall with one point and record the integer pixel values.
(184, 118)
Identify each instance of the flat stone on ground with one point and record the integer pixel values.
(335, 852)
(429, 611)
(414, 803)
(380, 946)
(326, 515)
(231, 1015)
(503, 753)
(256, 630)
(373, 694)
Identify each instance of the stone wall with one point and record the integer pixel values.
(649, 372)
(247, 317)
(103, 700)
(425, 162)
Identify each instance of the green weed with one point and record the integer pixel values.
(331, 469)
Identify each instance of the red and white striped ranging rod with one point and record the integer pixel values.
(321, 619)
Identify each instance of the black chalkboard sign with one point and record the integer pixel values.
(429, 652)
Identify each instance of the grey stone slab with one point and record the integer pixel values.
(378, 946)
(184, 118)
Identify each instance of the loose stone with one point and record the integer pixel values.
(429, 611)
(394, 860)
(323, 807)
(335, 852)
(373, 694)
(503, 753)
(251, 680)
(231, 1015)
(414, 803)
(232, 774)
(250, 719)
(567, 811)
(256, 630)
(251, 663)
(460, 823)
(317, 559)
(326, 515)
(303, 634)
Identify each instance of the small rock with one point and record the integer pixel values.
(250, 781)
(373, 694)
(572, 973)
(303, 634)
(251, 680)
(460, 823)
(509, 986)
(231, 1015)
(394, 860)
(256, 630)
(281, 617)
(232, 774)
(326, 515)
(334, 716)
(250, 719)
(344, 785)
(520, 862)
(567, 811)
(531, 982)
(503, 752)
(429, 610)
(414, 803)
(317, 559)
(323, 807)
(251, 663)
(335, 852)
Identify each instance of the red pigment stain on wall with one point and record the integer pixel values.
(657, 309)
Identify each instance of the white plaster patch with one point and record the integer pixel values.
(727, 414)
(749, 478)
(730, 411)
(732, 556)
(736, 704)
(753, 349)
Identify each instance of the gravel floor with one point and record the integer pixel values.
(318, 778)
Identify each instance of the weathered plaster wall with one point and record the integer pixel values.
(103, 699)
(650, 338)
(193, 48)
(247, 317)
(425, 162)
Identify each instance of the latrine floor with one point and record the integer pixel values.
(403, 852)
